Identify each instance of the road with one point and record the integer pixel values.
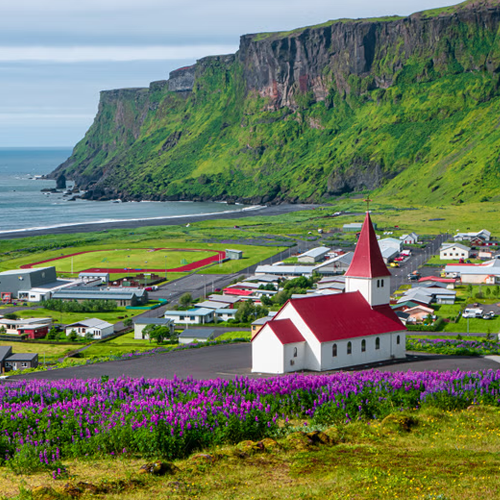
(418, 258)
(232, 360)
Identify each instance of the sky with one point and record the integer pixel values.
(57, 55)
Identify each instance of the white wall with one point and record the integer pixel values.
(289, 357)
(196, 320)
(267, 352)
(452, 253)
(374, 295)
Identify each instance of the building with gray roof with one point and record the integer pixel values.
(196, 335)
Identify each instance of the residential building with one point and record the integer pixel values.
(260, 322)
(212, 304)
(483, 235)
(225, 314)
(454, 251)
(21, 361)
(95, 327)
(336, 331)
(190, 335)
(5, 352)
(409, 239)
(141, 323)
(122, 296)
(487, 272)
(284, 270)
(419, 313)
(192, 316)
(314, 255)
(34, 328)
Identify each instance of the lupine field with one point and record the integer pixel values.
(45, 422)
(454, 346)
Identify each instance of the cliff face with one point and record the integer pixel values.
(304, 115)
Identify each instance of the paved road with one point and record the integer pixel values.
(229, 361)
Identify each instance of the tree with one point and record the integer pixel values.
(89, 336)
(72, 335)
(128, 322)
(496, 291)
(3, 330)
(248, 312)
(53, 333)
(488, 292)
(266, 301)
(10, 316)
(157, 332)
(469, 290)
(186, 300)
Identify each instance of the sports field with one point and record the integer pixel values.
(135, 260)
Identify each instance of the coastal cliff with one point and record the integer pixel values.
(408, 106)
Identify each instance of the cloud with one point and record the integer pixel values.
(80, 54)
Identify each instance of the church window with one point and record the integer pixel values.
(398, 340)
(349, 348)
(294, 352)
(334, 350)
(363, 345)
(382, 283)
(377, 343)
(378, 283)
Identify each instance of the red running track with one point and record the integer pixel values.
(182, 269)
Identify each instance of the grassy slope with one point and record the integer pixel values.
(446, 455)
(435, 129)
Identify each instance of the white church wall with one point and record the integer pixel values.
(267, 352)
(312, 350)
(294, 356)
(399, 344)
(376, 291)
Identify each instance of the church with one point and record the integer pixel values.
(336, 331)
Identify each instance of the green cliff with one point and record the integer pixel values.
(407, 106)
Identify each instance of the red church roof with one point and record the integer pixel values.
(344, 315)
(367, 261)
(286, 331)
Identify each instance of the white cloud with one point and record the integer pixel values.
(80, 54)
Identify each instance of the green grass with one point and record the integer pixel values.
(52, 352)
(443, 456)
(66, 318)
(475, 325)
(235, 335)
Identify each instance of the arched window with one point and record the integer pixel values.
(334, 350)
(377, 343)
(363, 345)
(294, 352)
(378, 283)
(349, 348)
(382, 283)
(398, 340)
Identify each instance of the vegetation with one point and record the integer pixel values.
(248, 312)
(454, 347)
(86, 306)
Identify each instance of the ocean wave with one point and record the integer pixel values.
(108, 221)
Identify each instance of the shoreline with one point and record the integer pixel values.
(172, 220)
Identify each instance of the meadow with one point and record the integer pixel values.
(53, 429)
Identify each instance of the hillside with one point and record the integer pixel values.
(408, 106)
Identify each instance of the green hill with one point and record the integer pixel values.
(406, 106)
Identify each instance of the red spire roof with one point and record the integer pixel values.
(367, 261)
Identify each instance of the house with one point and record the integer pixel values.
(192, 316)
(438, 295)
(141, 323)
(122, 296)
(419, 313)
(212, 304)
(234, 254)
(452, 251)
(5, 352)
(95, 327)
(487, 272)
(284, 270)
(409, 239)
(336, 331)
(314, 255)
(21, 361)
(335, 265)
(237, 291)
(33, 327)
(404, 306)
(225, 314)
(231, 300)
(483, 235)
(264, 279)
(390, 243)
(190, 335)
(449, 282)
(87, 277)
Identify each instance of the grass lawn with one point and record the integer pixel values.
(443, 262)
(475, 325)
(52, 351)
(235, 335)
(441, 456)
(66, 318)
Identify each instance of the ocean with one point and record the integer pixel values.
(24, 207)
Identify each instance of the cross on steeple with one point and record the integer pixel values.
(368, 203)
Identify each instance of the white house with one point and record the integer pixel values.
(484, 235)
(96, 327)
(192, 316)
(409, 239)
(336, 331)
(86, 277)
(487, 272)
(454, 251)
(141, 323)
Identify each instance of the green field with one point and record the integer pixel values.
(52, 352)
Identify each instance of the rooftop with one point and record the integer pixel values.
(197, 333)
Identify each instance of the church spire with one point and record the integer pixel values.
(367, 261)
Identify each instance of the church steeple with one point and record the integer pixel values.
(368, 273)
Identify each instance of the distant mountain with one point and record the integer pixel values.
(406, 105)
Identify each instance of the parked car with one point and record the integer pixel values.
(489, 315)
(394, 264)
(472, 313)
(414, 277)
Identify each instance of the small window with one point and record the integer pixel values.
(349, 348)
(377, 343)
(398, 340)
(294, 352)
(378, 283)
(382, 283)
(363, 345)
(334, 350)
(24, 365)
(181, 318)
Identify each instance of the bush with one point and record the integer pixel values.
(89, 306)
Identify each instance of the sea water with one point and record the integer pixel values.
(23, 206)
